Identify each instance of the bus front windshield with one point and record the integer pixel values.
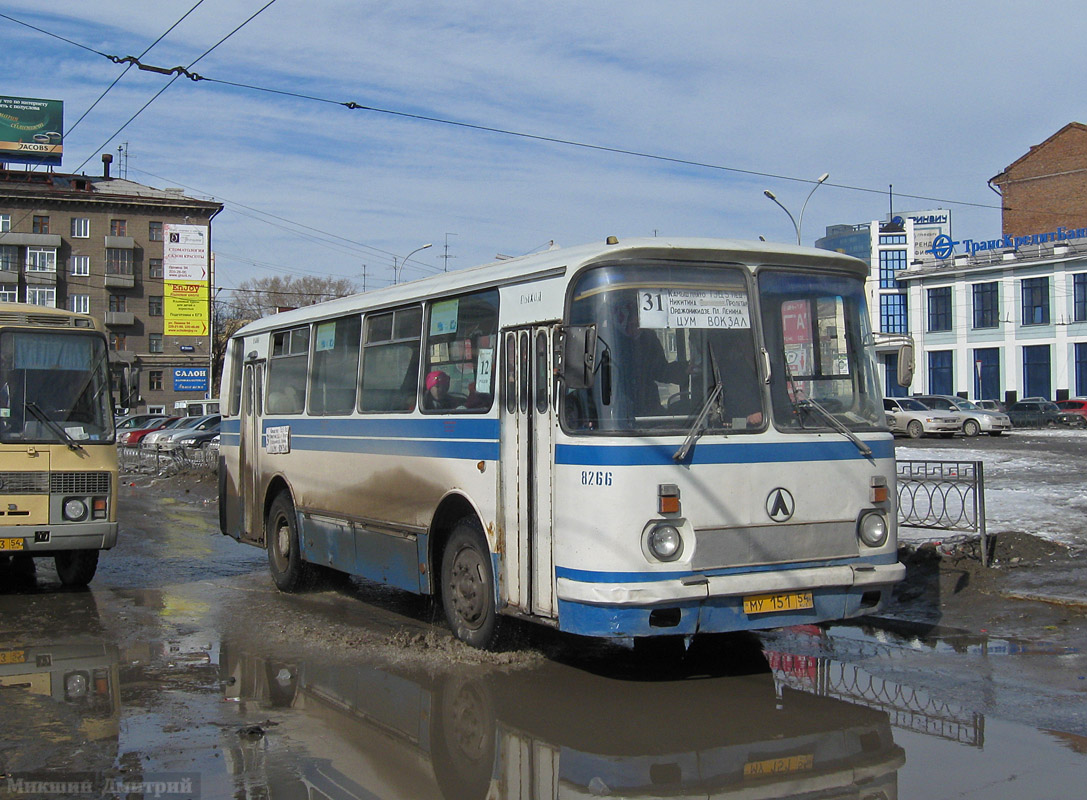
(54, 388)
(681, 347)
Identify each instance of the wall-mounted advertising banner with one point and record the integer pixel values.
(185, 252)
(185, 308)
(31, 130)
(191, 379)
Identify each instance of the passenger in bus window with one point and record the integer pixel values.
(645, 350)
(437, 390)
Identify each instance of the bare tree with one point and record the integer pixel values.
(259, 297)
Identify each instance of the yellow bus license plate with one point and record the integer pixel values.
(778, 766)
(11, 544)
(13, 657)
(787, 601)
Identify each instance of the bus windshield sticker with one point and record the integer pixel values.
(693, 308)
(326, 336)
(483, 370)
(278, 439)
(443, 317)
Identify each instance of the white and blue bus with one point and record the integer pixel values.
(622, 440)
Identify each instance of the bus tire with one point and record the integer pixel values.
(468, 586)
(289, 572)
(76, 567)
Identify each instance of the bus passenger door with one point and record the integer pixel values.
(249, 451)
(527, 456)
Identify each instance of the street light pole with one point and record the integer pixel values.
(797, 225)
(398, 269)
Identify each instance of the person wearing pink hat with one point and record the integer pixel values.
(437, 390)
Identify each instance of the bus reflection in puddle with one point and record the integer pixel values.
(548, 731)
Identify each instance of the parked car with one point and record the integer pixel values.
(135, 435)
(1035, 414)
(170, 439)
(1076, 406)
(913, 418)
(133, 421)
(992, 405)
(972, 418)
(197, 437)
(152, 438)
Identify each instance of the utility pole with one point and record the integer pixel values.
(364, 277)
(446, 256)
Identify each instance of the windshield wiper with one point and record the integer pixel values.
(51, 425)
(835, 423)
(699, 424)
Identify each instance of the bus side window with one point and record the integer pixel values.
(461, 345)
(334, 376)
(390, 360)
(287, 371)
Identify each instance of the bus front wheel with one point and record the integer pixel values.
(468, 586)
(289, 572)
(76, 567)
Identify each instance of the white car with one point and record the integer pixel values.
(175, 437)
(915, 419)
(973, 418)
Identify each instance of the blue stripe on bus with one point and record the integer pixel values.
(430, 448)
(593, 576)
(458, 427)
(658, 455)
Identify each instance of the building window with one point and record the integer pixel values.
(892, 313)
(116, 302)
(154, 267)
(5, 223)
(116, 341)
(41, 259)
(154, 305)
(9, 257)
(939, 309)
(1081, 369)
(1035, 301)
(986, 308)
(897, 238)
(939, 372)
(890, 262)
(80, 303)
(154, 231)
(154, 343)
(9, 294)
(40, 224)
(987, 373)
(1037, 370)
(118, 227)
(1079, 297)
(154, 380)
(41, 296)
(81, 228)
(118, 261)
(81, 265)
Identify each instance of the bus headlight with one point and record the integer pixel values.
(75, 509)
(664, 543)
(873, 529)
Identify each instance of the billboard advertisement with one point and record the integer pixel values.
(185, 273)
(31, 130)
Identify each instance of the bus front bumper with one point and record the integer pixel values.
(714, 603)
(43, 540)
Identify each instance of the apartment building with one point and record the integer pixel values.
(95, 244)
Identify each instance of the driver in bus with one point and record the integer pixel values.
(437, 390)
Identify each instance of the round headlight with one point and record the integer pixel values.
(74, 509)
(75, 685)
(665, 543)
(873, 530)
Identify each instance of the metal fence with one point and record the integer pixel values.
(168, 462)
(944, 495)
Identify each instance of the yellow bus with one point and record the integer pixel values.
(58, 459)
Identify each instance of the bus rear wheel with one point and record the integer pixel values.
(468, 586)
(76, 567)
(289, 572)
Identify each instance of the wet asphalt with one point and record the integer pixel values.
(182, 672)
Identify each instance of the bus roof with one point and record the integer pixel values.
(32, 315)
(567, 260)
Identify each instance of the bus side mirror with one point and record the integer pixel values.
(577, 356)
(905, 365)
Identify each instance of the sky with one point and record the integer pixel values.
(690, 110)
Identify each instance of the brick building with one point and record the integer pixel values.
(1046, 188)
(95, 245)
